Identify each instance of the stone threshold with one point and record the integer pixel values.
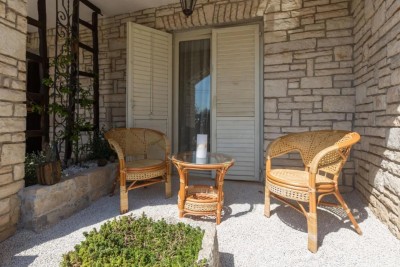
(43, 206)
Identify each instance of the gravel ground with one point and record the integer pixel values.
(246, 237)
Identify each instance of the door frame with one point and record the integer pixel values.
(188, 35)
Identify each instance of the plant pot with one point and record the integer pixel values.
(49, 173)
(101, 162)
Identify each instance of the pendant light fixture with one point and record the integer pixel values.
(188, 6)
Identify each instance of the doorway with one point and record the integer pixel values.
(194, 92)
(217, 92)
(213, 88)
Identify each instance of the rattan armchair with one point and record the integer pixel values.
(143, 159)
(323, 153)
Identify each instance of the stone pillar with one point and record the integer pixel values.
(13, 28)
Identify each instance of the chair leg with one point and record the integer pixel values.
(123, 194)
(123, 200)
(312, 232)
(267, 209)
(312, 224)
(347, 210)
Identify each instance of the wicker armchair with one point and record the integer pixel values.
(143, 159)
(323, 153)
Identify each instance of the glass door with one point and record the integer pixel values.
(194, 96)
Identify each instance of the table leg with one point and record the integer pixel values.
(219, 180)
(182, 190)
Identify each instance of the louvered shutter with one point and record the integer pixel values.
(235, 89)
(149, 78)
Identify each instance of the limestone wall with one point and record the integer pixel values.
(377, 83)
(12, 111)
(308, 48)
(43, 206)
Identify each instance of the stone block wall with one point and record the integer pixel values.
(13, 29)
(308, 66)
(43, 206)
(308, 70)
(377, 84)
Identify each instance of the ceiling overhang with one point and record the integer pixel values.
(108, 8)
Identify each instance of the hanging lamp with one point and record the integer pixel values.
(188, 6)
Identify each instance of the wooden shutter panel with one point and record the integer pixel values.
(149, 78)
(235, 127)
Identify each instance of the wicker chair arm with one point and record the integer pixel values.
(167, 148)
(116, 147)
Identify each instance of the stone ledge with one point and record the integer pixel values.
(43, 206)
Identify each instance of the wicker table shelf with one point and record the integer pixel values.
(201, 199)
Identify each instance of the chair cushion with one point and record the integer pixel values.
(144, 163)
(297, 178)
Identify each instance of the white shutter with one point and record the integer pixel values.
(235, 89)
(149, 78)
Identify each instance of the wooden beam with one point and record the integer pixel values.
(86, 47)
(86, 24)
(86, 74)
(34, 57)
(33, 22)
(96, 84)
(44, 70)
(91, 6)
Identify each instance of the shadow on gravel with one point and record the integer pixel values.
(24, 261)
(330, 219)
(227, 259)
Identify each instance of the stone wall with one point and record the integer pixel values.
(308, 66)
(308, 69)
(13, 29)
(377, 83)
(43, 206)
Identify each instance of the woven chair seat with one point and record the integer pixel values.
(279, 179)
(201, 198)
(144, 163)
(299, 178)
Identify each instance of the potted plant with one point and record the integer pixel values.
(48, 172)
(100, 149)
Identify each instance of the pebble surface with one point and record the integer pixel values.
(245, 236)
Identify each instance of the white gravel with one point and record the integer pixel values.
(246, 237)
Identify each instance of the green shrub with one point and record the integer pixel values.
(138, 242)
(99, 147)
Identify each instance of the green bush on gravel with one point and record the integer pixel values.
(140, 241)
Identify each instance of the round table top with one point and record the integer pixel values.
(211, 159)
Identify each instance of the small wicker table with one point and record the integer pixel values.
(201, 199)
